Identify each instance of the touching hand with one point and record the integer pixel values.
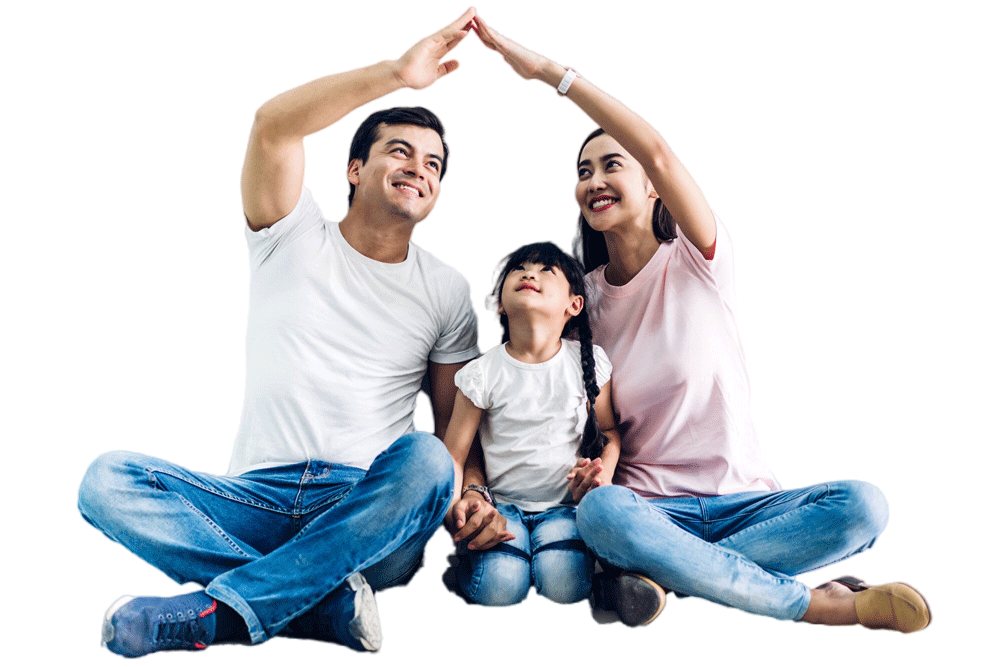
(583, 477)
(525, 62)
(478, 522)
(421, 65)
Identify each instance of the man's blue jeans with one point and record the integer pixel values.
(547, 550)
(272, 543)
(740, 550)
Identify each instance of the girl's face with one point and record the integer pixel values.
(539, 288)
(613, 190)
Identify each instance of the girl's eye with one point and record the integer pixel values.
(583, 173)
(548, 268)
(613, 163)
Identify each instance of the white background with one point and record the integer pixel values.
(850, 147)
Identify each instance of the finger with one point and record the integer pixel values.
(474, 525)
(447, 68)
(456, 31)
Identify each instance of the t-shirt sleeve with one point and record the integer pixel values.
(470, 381)
(264, 242)
(718, 269)
(602, 366)
(459, 335)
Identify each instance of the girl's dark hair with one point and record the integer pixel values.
(578, 327)
(590, 246)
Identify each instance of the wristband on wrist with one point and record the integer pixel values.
(481, 490)
(567, 81)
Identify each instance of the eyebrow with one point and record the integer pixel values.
(409, 147)
(604, 158)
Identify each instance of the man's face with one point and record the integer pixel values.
(402, 172)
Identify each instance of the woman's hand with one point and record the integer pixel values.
(421, 65)
(528, 64)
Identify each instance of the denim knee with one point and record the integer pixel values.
(563, 575)
(599, 515)
(865, 510)
(494, 579)
(104, 486)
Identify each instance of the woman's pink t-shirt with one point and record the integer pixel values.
(680, 385)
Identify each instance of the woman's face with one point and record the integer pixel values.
(612, 190)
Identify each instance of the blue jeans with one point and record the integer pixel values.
(740, 550)
(547, 550)
(273, 543)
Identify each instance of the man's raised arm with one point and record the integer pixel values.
(275, 160)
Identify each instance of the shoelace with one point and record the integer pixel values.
(181, 629)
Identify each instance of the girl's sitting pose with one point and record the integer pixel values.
(535, 417)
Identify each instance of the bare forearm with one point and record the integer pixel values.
(313, 106)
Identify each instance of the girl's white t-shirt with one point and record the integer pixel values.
(681, 388)
(533, 421)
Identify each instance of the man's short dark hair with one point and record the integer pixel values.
(367, 134)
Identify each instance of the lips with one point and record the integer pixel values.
(524, 286)
(602, 203)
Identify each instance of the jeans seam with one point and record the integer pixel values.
(155, 482)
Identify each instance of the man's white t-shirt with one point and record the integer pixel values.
(533, 421)
(338, 343)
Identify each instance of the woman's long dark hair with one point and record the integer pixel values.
(591, 248)
(578, 327)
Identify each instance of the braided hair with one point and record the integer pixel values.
(578, 327)
(590, 246)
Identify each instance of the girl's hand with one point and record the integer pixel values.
(528, 64)
(421, 65)
(584, 477)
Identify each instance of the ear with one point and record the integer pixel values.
(575, 305)
(500, 309)
(353, 167)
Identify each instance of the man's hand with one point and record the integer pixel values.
(421, 65)
(477, 521)
(584, 477)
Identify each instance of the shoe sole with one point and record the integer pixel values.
(638, 600)
(365, 626)
(107, 629)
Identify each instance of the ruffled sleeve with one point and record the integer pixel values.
(470, 381)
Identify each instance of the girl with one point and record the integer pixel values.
(539, 400)
(698, 510)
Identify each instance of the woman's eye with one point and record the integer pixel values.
(583, 173)
(613, 163)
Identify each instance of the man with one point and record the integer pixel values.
(329, 488)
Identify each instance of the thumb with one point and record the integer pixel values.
(447, 68)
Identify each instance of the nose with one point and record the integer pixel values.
(415, 170)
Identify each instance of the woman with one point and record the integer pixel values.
(694, 508)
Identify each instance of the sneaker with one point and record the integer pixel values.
(636, 599)
(139, 626)
(347, 616)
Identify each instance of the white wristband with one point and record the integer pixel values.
(567, 81)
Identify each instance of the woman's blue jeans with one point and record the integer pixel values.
(740, 550)
(273, 543)
(547, 550)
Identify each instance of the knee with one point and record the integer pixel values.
(864, 507)
(563, 575)
(104, 485)
(499, 580)
(600, 513)
(425, 467)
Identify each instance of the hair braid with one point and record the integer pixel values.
(593, 438)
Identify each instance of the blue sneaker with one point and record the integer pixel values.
(138, 626)
(347, 616)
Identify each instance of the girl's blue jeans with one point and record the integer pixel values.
(740, 550)
(546, 551)
(273, 543)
